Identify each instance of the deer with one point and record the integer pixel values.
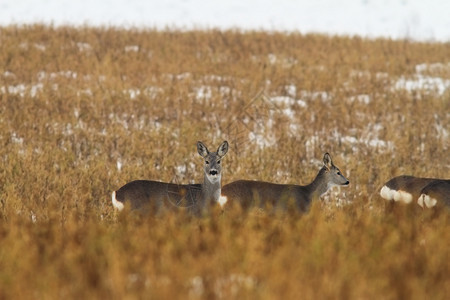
(156, 196)
(428, 192)
(250, 193)
(435, 192)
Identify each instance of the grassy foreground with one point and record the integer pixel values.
(85, 110)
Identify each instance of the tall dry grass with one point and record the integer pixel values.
(85, 110)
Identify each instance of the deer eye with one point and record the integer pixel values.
(207, 162)
(339, 173)
(218, 161)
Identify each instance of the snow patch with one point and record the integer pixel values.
(421, 82)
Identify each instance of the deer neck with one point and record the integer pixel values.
(318, 186)
(211, 190)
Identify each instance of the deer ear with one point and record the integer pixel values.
(327, 162)
(202, 150)
(223, 149)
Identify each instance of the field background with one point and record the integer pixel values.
(83, 111)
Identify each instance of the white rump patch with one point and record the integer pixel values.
(387, 193)
(427, 200)
(420, 200)
(397, 196)
(222, 200)
(116, 204)
(402, 196)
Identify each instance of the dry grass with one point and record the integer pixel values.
(86, 110)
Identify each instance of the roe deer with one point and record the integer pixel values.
(435, 192)
(426, 191)
(146, 195)
(248, 193)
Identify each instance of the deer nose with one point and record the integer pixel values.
(213, 172)
(347, 182)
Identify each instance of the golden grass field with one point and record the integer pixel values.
(85, 110)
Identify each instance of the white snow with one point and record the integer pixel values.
(22, 89)
(413, 19)
(420, 82)
(364, 98)
(288, 101)
(435, 68)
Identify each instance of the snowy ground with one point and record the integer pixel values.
(413, 19)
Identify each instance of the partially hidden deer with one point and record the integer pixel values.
(156, 196)
(426, 192)
(259, 193)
